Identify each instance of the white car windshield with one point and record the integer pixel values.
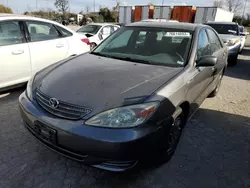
(157, 46)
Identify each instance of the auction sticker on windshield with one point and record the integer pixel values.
(179, 34)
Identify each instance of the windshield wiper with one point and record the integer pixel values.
(101, 54)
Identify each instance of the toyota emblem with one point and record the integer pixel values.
(53, 102)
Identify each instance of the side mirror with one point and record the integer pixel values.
(206, 61)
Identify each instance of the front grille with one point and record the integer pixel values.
(63, 110)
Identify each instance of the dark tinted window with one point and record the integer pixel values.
(92, 29)
(65, 32)
(225, 28)
(41, 31)
(215, 43)
(10, 33)
(203, 47)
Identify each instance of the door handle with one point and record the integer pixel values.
(60, 45)
(17, 52)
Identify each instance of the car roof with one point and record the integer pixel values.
(221, 23)
(177, 25)
(25, 17)
(101, 24)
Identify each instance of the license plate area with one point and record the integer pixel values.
(44, 132)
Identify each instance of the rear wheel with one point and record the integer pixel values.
(92, 45)
(215, 92)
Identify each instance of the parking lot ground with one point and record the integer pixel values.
(214, 150)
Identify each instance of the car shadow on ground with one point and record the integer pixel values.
(242, 69)
(214, 148)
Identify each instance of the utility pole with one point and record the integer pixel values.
(243, 13)
(94, 5)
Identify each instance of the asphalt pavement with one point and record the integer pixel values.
(214, 151)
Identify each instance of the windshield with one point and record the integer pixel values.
(157, 46)
(92, 29)
(225, 29)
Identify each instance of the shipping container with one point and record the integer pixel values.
(204, 14)
(183, 13)
(162, 12)
(143, 13)
(125, 14)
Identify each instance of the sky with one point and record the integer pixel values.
(20, 6)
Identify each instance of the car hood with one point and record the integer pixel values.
(102, 83)
(225, 38)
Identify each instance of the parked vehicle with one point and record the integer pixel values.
(230, 34)
(29, 44)
(243, 33)
(97, 32)
(183, 13)
(130, 98)
(205, 14)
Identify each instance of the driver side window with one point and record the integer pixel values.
(203, 47)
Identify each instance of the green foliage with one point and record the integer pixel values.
(4, 9)
(107, 14)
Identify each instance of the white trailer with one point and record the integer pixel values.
(125, 14)
(204, 14)
(162, 12)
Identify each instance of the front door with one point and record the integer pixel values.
(200, 77)
(14, 54)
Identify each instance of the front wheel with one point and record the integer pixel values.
(173, 138)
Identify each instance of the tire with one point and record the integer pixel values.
(216, 90)
(173, 138)
(233, 60)
(92, 45)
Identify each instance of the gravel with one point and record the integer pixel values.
(214, 150)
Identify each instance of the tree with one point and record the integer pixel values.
(234, 5)
(218, 3)
(4, 9)
(62, 6)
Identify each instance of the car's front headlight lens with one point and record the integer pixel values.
(29, 90)
(232, 42)
(124, 117)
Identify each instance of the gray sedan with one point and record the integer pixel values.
(126, 102)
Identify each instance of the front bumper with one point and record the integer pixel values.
(109, 149)
(234, 50)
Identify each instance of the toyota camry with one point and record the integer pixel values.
(128, 100)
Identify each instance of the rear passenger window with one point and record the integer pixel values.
(215, 43)
(40, 31)
(203, 47)
(65, 32)
(10, 33)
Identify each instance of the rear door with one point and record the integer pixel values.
(46, 44)
(14, 54)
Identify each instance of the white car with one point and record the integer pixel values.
(29, 44)
(97, 32)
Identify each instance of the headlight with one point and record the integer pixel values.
(232, 42)
(29, 90)
(124, 117)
